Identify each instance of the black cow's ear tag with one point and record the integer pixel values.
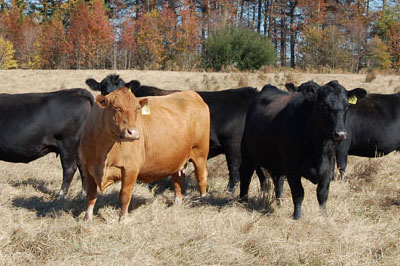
(145, 110)
(353, 99)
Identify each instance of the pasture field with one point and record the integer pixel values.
(362, 226)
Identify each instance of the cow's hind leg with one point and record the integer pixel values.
(278, 184)
(199, 160)
(233, 158)
(81, 173)
(246, 172)
(341, 161)
(69, 165)
(91, 196)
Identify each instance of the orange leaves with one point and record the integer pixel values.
(90, 35)
(22, 31)
(394, 44)
(149, 40)
(52, 43)
(162, 38)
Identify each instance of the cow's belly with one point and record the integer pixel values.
(155, 173)
(373, 148)
(25, 154)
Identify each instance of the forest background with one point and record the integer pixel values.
(322, 35)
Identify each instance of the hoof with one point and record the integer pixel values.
(296, 217)
(279, 202)
(88, 218)
(122, 219)
(231, 188)
(244, 200)
(178, 200)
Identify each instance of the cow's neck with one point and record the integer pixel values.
(323, 147)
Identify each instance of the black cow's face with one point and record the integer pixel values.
(332, 102)
(107, 85)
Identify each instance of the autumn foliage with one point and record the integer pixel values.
(172, 35)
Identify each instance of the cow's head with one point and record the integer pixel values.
(133, 85)
(107, 85)
(121, 109)
(331, 103)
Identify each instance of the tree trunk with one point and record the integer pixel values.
(283, 39)
(293, 5)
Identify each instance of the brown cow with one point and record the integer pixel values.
(119, 142)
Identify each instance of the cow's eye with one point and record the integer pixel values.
(324, 107)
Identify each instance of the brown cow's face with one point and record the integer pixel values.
(121, 111)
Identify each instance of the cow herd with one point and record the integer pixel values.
(134, 132)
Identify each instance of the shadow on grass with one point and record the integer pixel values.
(38, 185)
(47, 206)
(76, 206)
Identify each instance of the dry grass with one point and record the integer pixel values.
(362, 226)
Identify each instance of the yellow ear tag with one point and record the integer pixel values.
(145, 110)
(353, 99)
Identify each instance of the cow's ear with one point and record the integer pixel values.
(102, 101)
(133, 85)
(93, 84)
(334, 84)
(144, 102)
(358, 92)
(291, 87)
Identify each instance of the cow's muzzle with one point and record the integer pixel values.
(130, 134)
(339, 136)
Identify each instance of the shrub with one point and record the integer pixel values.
(377, 55)
(242, 48)
(7, 55)
(371, 76)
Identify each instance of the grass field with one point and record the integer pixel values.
(362, 226)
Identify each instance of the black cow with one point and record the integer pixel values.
(295, 135)
(35, 124)
(227, 115)
(373, 127)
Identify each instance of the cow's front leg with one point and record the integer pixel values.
(179, 182)
(128, 182)
(323, 191)
(297, 194)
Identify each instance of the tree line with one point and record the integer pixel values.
(186, 34)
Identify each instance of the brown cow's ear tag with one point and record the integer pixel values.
(145, 110)
(353, 99)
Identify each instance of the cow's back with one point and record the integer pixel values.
(228, 113)
(33, 123)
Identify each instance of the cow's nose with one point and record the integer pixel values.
(339, 135)
(132, 133)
